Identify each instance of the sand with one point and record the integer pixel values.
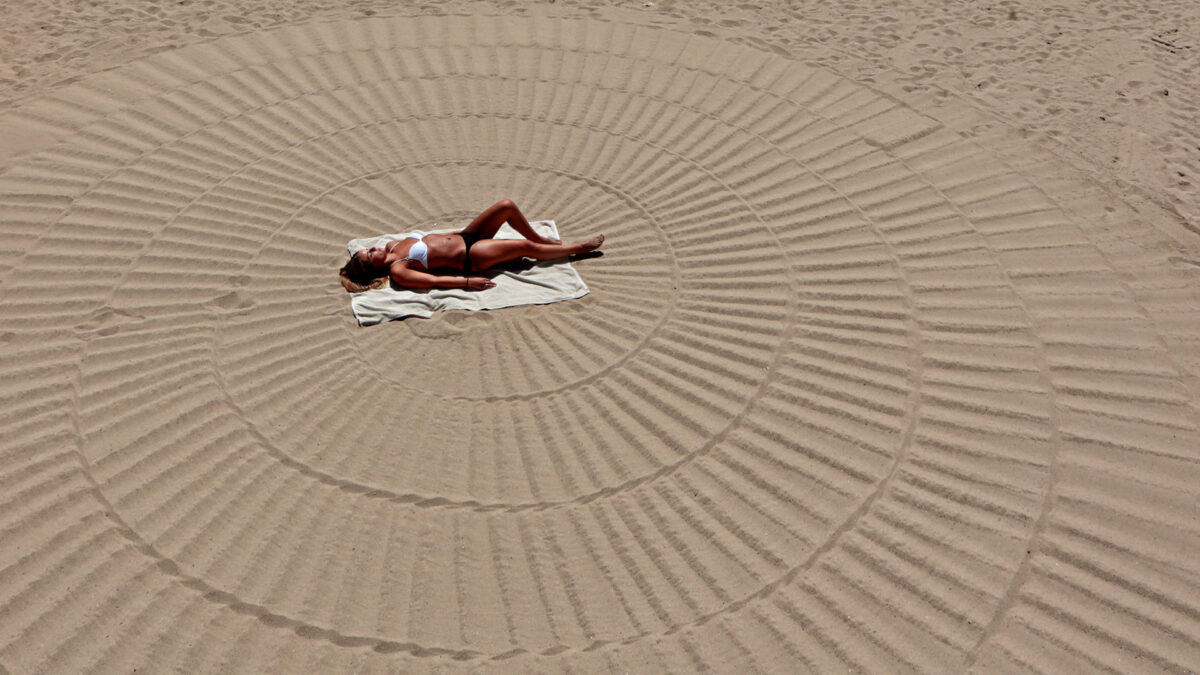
(891, 363)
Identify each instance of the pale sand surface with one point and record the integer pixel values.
(891, 364)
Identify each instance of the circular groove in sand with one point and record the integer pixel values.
(820, 464)
(715, 438)
(441, 502)
(401, 387)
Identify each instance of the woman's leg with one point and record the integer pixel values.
(487, 253)
(486, 224)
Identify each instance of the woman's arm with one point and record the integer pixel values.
(410, 278)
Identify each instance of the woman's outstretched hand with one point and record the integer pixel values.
(480, 283)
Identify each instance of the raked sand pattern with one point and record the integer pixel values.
(851, 390)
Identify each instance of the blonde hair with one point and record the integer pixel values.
(358, 276)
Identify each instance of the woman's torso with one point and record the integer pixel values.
(444, 250)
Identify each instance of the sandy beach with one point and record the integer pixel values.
(890, 364)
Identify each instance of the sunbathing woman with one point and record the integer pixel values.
(409, 261)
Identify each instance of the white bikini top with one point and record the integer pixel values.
(419, 251)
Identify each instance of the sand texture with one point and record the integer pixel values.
(890, 365)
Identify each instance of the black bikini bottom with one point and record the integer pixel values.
(470, 238)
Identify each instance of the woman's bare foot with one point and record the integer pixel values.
(591, 244)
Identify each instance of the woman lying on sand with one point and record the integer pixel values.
(408, 261)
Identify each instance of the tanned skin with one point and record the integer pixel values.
(447, 251)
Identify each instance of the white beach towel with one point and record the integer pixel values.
(524, 283)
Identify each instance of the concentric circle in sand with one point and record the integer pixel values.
(849, 390)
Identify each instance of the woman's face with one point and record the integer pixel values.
(373, 256)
